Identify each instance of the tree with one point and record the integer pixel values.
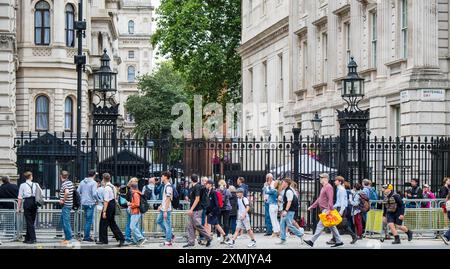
(201, 37)
(159, 91)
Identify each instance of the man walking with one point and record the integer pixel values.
(66, 201)
(135, 215)
(27, 197)
(243, 220)
(394, 210)
(265, 189)
(164, 218)
(108, 213)
(88, 192)
(197, 196)
(290, 206)
(325, 203)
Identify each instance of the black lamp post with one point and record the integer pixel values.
(106, 111)
(316, 124)
(80, 61)
(353, 127)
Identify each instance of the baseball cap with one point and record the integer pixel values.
(240, 190)
(388, 186)
(426, 186)
(210, 181)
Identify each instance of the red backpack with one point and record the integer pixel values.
(219, 199)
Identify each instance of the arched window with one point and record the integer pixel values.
(70, 19)
(131, 73)
(68, 114)
(42, 113)
(42, 23)
(131, 27)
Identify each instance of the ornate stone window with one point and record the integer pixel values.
(131, 73)
(70, 19)
(68, 114)
(42, 23)
(131, 27)
(42, 113)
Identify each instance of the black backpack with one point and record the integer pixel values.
(143, 204)
(204, 198)
(76, 200)
(147, 193)
(175, 198)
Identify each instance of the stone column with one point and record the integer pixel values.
(58, 21)
(383, 37)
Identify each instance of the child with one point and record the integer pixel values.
(243, 219)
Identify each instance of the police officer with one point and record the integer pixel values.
(27, 197)
(394, 210)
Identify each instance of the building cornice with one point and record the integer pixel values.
(266, 37)
(342, 10)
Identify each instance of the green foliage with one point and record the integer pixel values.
(159, 91)
(201, 37)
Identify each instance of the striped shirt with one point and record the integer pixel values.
(67, 185)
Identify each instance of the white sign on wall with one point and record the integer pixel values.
(404, 96)
(432, 95)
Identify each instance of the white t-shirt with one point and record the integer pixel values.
(167, 194)
(290, 195)
(109, 193)
(241, 207)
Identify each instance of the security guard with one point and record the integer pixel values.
(394, 210)
(27, 197)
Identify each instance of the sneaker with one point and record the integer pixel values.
(445, 239)
(252, 244)
(188, 246)
(166, 244)
(267, 234)
(337, 245)
(121, 243)
(208, 242)
(309, 243)
(225, 239)
(88, 240)
(141, 242)
(354, 239)
(331, 242)
(230, 242)
(281, 242)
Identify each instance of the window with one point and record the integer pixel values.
(397, 120)
(100, 43)
(131, 54)
(281, 83)
(404, 28)
(131, 74)
(131, 27)
(264, 93)
(347, 41)
(250, 77)
(42, 23)
(373, 40)
(324, 57)
(42, 113)
(70, 19)
(304, 64)
(68, 114)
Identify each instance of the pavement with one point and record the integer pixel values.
(262, 242)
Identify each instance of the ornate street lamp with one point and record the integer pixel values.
(105, 80)
(352, 87)
(316, 124)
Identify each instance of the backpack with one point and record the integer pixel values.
(76, 200)
(250, 207)
(219, 199)
(148, 193)
(175, 202)
(38, 196)
(204, 199)
(143, 204)
(364, 204)
(373, 194)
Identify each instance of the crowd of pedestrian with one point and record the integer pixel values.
(220, 208)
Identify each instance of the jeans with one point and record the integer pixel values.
(319, 230)
(127, 226)
(233, 223)
(165, 224)
(89, 217)
(267, 220)
(286, 221)
(135, 227)
(447, 234)
(65, 220)
(273, 213)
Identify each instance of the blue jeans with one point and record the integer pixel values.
(127, 226)
(65, 220)
(287, 221)
(447, 234)
(165, 224)
(89, 219)
(135, 227)
(233, 224)
(267, 218)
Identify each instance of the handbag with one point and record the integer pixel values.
(331, 219)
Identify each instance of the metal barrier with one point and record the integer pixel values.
(8, 220)
(424, 217)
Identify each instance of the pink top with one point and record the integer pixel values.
(325, 200)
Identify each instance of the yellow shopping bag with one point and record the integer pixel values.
(331, 219)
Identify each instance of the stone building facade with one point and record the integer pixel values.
(295, 52)
(37, 75)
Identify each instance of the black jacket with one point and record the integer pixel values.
(8, 191)
(234, 205)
